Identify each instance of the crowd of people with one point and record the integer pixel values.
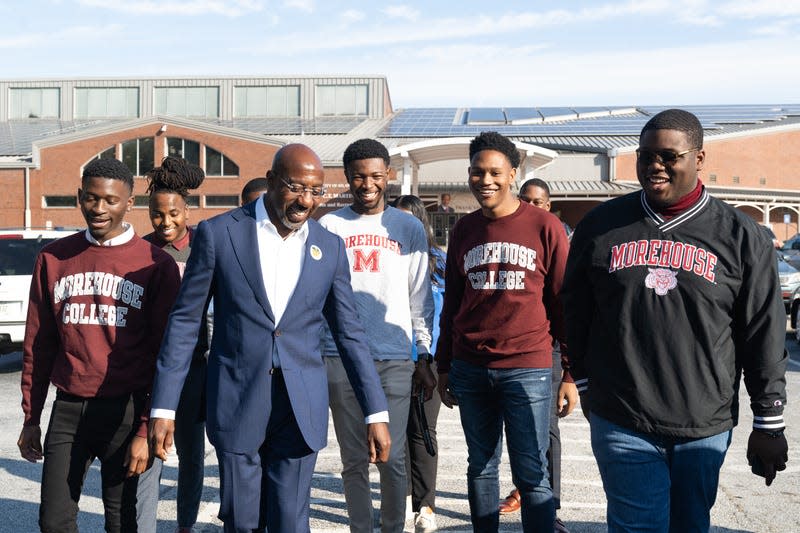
(251, 326)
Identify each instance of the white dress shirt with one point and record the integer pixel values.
(126, 235)
(281, 259)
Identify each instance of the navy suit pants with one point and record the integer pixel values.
(269, 489)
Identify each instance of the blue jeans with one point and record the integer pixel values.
(654, 483)
(520, 399)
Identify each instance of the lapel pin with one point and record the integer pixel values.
(316, 253)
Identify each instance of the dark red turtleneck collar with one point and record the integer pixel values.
(684, 203)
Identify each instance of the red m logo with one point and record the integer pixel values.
(368, 263)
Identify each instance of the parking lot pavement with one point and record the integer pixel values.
(743, 504)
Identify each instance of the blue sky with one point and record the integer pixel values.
(444, 53)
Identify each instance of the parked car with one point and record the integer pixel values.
(18, 250)
(790, 290)
(790, 284)
(791, 250)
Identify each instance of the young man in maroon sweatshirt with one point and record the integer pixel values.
(505, 264)
(99, 303)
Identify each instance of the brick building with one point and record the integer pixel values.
(232, 126)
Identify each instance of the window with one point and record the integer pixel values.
(222, 200)
(712, 178)
(334, 100)
(267, 101)
(762, 181)
(103, 102)
(189, 150)
(736, 179)
(35, 103)
(60, 201)
(193, 200)
(138, 155)
(187, 101)
(110, 153)
(219, 165)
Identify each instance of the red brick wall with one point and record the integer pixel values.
(12, 197)
(60, 170)
(775, 157)
(772, 156)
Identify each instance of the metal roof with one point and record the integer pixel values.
(18, 136)
(577, 129)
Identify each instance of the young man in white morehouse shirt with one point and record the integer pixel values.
(388, 253)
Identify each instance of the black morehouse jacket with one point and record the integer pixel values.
(663, 316)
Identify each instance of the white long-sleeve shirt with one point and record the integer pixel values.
(388, 255)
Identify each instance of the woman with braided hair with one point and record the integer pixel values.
(169, 213)
(168, 188)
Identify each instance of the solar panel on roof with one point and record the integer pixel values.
(486, 115)
(557, 113)
(626, 122)
(528, 114)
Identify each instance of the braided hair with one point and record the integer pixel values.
(175, 175)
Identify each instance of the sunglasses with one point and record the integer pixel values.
(297, 189)
(664, 157)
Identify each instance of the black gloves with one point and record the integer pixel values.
(767, 453)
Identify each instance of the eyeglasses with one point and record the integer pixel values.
(664, 157)
(297, 189)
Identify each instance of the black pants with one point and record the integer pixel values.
(420, 465)
(81, 430)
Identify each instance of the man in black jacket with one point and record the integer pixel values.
(669, 296)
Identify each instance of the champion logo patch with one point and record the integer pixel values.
(662, 280)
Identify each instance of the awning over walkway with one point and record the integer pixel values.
(407, 158)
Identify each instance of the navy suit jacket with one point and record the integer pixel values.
(225, 264)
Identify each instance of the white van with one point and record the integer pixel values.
(18, 250)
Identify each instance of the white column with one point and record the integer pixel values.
(408, 173)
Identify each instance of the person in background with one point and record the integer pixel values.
(99, 302)
(536, 192)
(421, 464)
(168, 188)
(505, 264)
(275, 275)
(387, 252)
(669, 296)
(253, 189)
(565, 394)
(444, 204)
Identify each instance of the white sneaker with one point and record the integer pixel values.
(425, 522)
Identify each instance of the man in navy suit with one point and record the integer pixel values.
(275, 276)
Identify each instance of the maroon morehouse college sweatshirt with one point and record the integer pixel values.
(95, 320)
(501, 307)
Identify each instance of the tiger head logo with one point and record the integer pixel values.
(661, 279)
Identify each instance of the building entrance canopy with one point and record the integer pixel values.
(407, 159)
